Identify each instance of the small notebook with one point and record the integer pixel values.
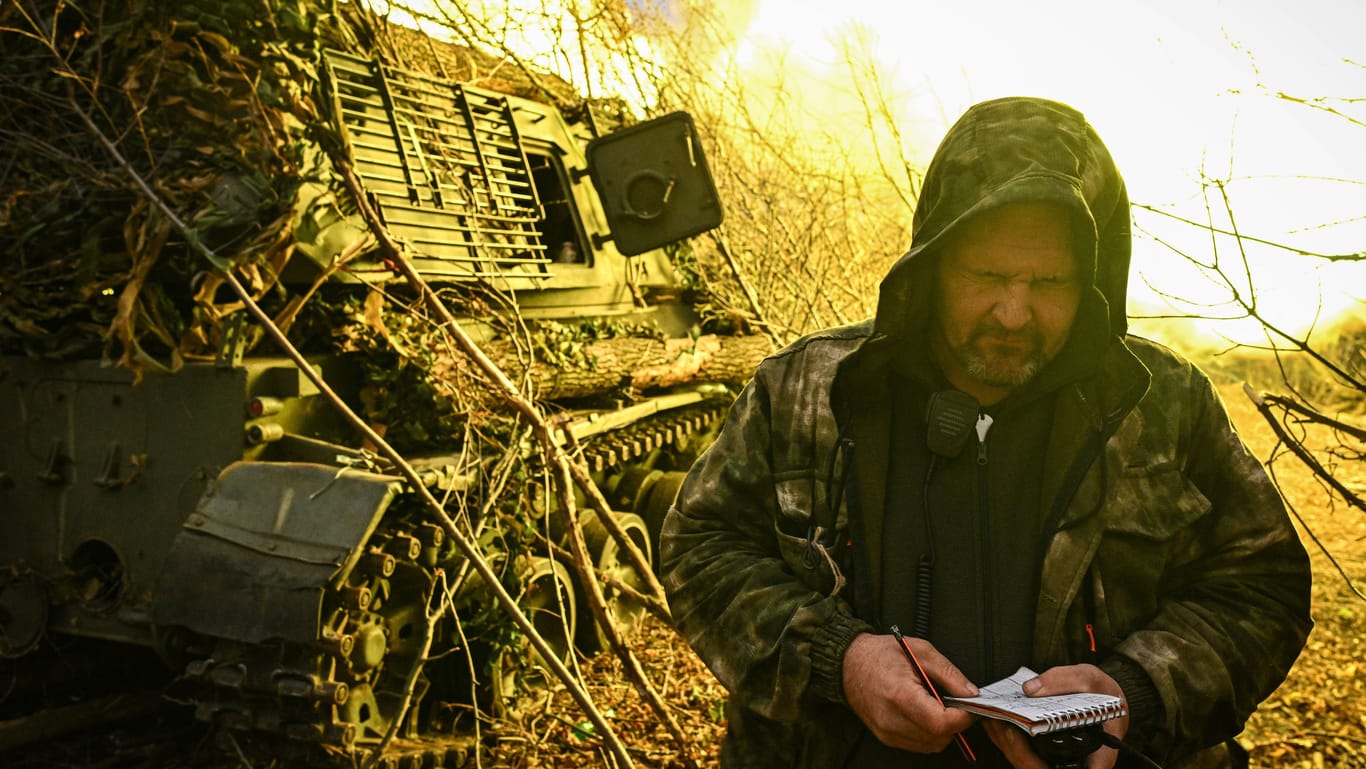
(1007, 701)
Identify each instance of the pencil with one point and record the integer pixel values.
(925, 679)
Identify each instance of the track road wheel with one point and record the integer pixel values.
(610, 561)
(547, 599)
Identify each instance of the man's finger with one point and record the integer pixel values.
(945, 675)
(1068, 679)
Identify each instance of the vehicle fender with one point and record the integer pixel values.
(266, 539)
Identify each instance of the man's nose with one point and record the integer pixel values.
(1013, 309)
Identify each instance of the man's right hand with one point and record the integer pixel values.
(884, 690)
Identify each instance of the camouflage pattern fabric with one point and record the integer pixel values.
(1172, 540)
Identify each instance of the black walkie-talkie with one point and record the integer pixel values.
(950, 416)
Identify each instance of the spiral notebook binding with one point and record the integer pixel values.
(1082, 716)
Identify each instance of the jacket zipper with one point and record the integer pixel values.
(984, 422)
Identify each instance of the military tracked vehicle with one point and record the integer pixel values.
(219, 535)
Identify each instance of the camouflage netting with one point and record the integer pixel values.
(201, 105)
(222, 113)
(214, 108)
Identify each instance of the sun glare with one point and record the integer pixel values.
(1209, 107)
(1186, 95)
(543, 33)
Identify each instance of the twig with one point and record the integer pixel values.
(722, 245)
(1263, 404)
(1357, 257)
(567, 473)
(659, 609)
(1314, 416)
(415, 672)
(1285, 439)
(469, 549)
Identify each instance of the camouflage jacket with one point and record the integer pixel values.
(1163, 532)
(1173, 542)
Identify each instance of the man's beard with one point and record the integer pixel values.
(1000, 358)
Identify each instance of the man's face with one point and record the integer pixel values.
(1006, 293)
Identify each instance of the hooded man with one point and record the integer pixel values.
(996, 466)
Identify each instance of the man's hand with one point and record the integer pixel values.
(1013, 741)
(884, 690)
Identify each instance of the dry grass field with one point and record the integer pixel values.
(1318, 716)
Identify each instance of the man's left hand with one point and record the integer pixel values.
(1068, 679)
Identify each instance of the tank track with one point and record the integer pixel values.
(331, 702)
(638, 439)
(339, 695)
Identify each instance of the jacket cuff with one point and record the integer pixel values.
(1145, 704)
(828, 645)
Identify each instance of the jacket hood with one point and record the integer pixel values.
(1012, 150)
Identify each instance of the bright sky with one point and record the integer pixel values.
(1172, 86)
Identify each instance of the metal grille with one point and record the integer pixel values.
(445, 165)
